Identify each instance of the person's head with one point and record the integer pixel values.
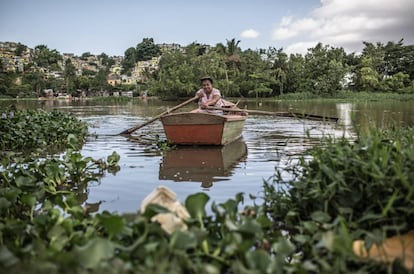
(207, 83)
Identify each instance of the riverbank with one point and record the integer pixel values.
(352, 96)
(345, 96)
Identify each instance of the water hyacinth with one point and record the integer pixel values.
(361, 191)
(347, 194)
(31, 129)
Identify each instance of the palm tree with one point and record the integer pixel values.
(232, 52)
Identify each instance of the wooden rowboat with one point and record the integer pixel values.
(202, 128)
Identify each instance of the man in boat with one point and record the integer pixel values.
(208, 96)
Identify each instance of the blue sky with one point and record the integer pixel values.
(113, 26)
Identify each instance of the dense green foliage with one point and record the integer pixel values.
(347, 191)
(44, 57)
(35, 196)
(323, 71)
(33, 129)
(142, 52)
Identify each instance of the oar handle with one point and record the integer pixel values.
(132, 129)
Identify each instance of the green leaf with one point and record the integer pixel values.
(29, 200)
(264, 221)
(183, 240)
(95, 251)
(390, 203)
(195, 205)
(154, 209)
(4, 203)
(24, 181)
(113, 224)
(320, 216)
(302, 238)
(258, 260)
(251, 227)
(56, 232)
(310, 226)
(10, 194)
(113, 159)
(6, 257)
(283, 246)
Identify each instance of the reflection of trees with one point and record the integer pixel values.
(345, 120)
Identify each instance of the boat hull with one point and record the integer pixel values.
(188, 128)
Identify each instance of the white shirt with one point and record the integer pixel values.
(206, 97)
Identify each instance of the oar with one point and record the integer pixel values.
(132, 129)
(281, 114)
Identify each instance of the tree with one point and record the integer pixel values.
(296, 80)
(397, 82)
(129, 61)
(85, 55)
(35, 81)
(278, 63)
(44, 57)
(70, 76)
(368, 76)
(399, 58)
(262, 82)
(175, 77)
(233, 57)
(106, 60)
(146, 50)
(195, 49)
(254, 74)
(376, 53)
(99, 82)
(83, 82)
(20, 49)
(325, 69)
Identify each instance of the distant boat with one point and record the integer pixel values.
(202, 128)
(205, 164)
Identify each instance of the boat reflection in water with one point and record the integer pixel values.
(205, 164)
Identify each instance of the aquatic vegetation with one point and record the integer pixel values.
(346, 193)
(28, 130)
(349, 191)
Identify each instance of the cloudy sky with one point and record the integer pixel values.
(108, 26)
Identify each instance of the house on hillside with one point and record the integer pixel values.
(114, 79)
(128, 80)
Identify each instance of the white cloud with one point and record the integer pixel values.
(300, 47)
(286, 21)
(283, 33)
(249, 34)
(288, 29)
(348, 24)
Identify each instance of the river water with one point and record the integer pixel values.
(268, 145)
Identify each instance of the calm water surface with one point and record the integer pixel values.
(268, 143)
